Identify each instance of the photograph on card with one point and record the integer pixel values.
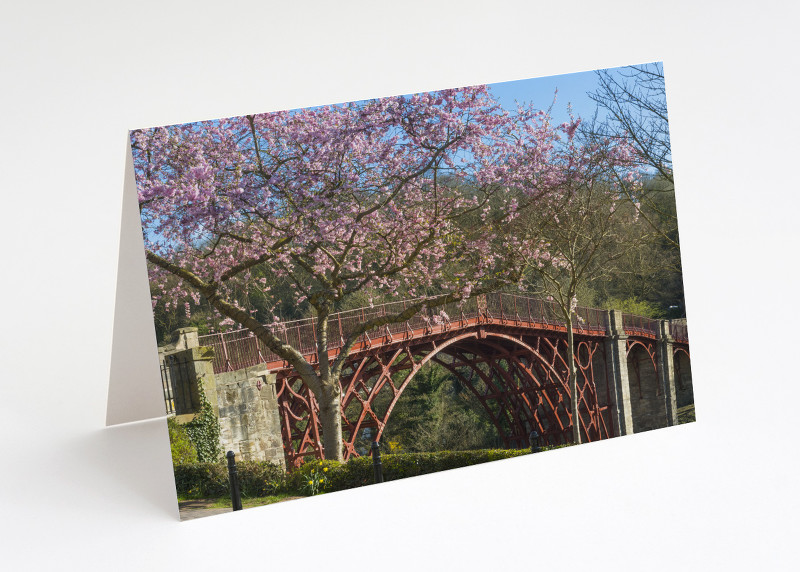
(361, 292)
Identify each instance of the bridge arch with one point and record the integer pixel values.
(519, 388)
(521, 382)
(509, 350)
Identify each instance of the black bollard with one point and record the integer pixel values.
(233, 477)
(376, 462)
(534, 440)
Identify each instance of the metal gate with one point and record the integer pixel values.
(180, 393)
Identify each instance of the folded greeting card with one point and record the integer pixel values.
(359, 292)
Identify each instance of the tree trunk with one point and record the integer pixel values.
(573, 383)
(330, 416)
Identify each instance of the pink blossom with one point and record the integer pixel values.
(341, 200)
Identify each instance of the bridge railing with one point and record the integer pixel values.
(240, 348)
(236, 349)
(513, 307)
(592, 320)
(633, 324)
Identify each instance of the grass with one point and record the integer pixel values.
(686, 414)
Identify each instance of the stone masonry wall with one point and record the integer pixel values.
(244, 401)
(248, 415)
(647, 401)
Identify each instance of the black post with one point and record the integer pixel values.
(233, 477)
(376, 462)
(534, 440)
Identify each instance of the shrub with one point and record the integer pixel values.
(314, 477)
(202, 480)
(260, 478)
(406, 465)
(634, 306)
(210, 480)
(183, 451)
(359, 471)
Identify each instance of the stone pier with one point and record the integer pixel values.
(244, 401)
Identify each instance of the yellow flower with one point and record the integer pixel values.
(325, 470)
(322, 480)
(310, 482)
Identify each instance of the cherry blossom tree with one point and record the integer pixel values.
(396, 194)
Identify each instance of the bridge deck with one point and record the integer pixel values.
(238, 349)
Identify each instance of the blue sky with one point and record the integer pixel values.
(572, 89)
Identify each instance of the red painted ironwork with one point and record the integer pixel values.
(507, 350)
(238, 349)
(520, 380)
(639, 325)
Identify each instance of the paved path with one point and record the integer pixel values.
(192, 509)
(198, 508)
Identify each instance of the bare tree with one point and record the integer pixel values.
(586, 237)
(635, 104)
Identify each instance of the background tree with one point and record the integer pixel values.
(436, 413)
(403, 194)
(584, 236)
(647, 279)
(634, 99)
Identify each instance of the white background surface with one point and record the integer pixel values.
(720, 494)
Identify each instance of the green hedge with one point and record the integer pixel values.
(208, 480)
(201, 480)
(359, 471)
